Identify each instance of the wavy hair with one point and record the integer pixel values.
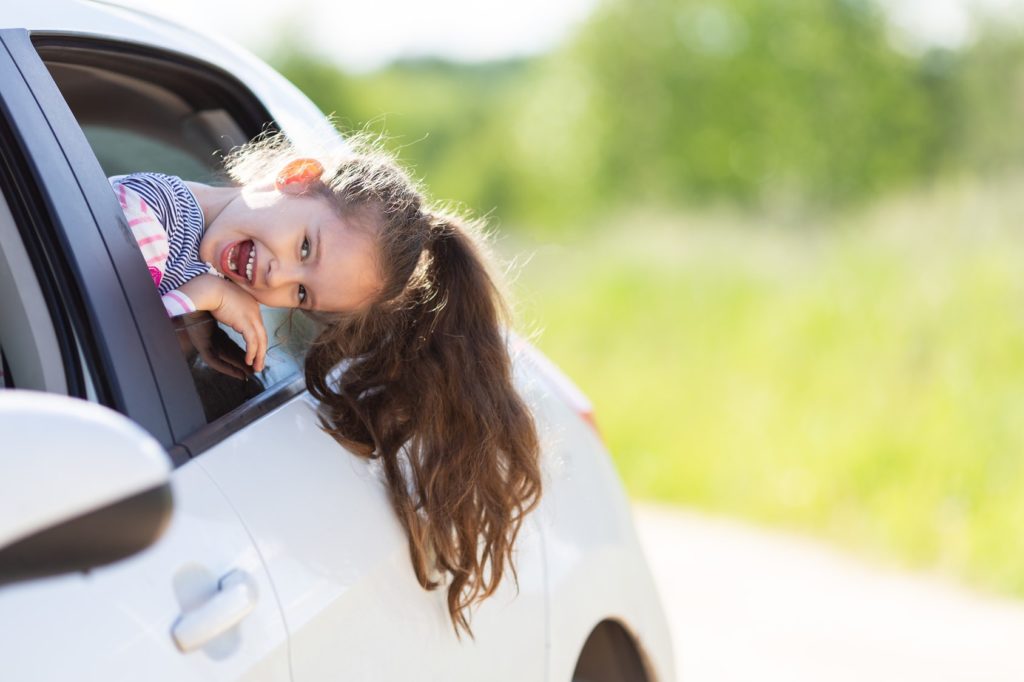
(421, 378)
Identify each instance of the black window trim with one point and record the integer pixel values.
(214, 87)
(31, 221)
(248, 412)
(83, 230)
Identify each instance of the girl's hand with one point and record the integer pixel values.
(241, 312)
(230, 304)
(216, 349)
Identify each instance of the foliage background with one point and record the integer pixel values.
(780, 249)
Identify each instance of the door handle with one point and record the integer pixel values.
(235, 598)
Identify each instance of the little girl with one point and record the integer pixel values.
(227, 249)
(407, 307)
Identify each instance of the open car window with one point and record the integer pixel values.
(144, 111)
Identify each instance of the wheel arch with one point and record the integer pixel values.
(612, 653)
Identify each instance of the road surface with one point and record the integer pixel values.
(746, 604)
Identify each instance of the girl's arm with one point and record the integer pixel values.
(230, 304)
(177, 303)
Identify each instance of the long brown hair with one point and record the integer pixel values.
(421, 378)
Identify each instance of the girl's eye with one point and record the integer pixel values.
(305, 248)
(302, 294)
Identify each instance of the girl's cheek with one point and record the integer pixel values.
(273, 299)
(262, 297)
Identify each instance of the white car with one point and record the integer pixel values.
(160, 521)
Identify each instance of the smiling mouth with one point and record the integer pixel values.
(240, 260)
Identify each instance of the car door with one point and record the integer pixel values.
(199, 603)
(319, 516)
(340, 563)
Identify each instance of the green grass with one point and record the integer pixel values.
(861, 378)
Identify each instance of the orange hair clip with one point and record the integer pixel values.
(299, 171)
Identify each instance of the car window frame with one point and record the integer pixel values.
(220, 89)
(76, 229)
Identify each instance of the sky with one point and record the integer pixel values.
(363, 35)
(944, 22)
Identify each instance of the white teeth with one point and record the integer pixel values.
(248, 266)
(232, 256)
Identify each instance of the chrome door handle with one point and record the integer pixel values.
(235, 599)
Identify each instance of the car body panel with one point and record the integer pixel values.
(596, 569)
(340, 562)
(114, 624)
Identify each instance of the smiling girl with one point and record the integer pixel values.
(407, 307)
(227, 249)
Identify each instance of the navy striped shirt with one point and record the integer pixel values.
(182, 218)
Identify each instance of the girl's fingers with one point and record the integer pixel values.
(250, 345)
(264, 346)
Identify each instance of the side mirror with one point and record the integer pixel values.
(81, 486)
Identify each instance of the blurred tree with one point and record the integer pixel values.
(746, 100)
(439, 116)
(790, 103)
(990, 93)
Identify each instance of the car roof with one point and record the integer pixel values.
(105, 20)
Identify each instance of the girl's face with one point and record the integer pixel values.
(292, 252)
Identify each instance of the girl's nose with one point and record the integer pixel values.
(280, 274)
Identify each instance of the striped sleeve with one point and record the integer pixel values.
(177, 303)
(167, 195)
(175, 207)
(146, 228)
(145, 211)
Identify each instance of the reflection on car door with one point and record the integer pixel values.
(119, 622)
(340, 562)
(130, 620)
